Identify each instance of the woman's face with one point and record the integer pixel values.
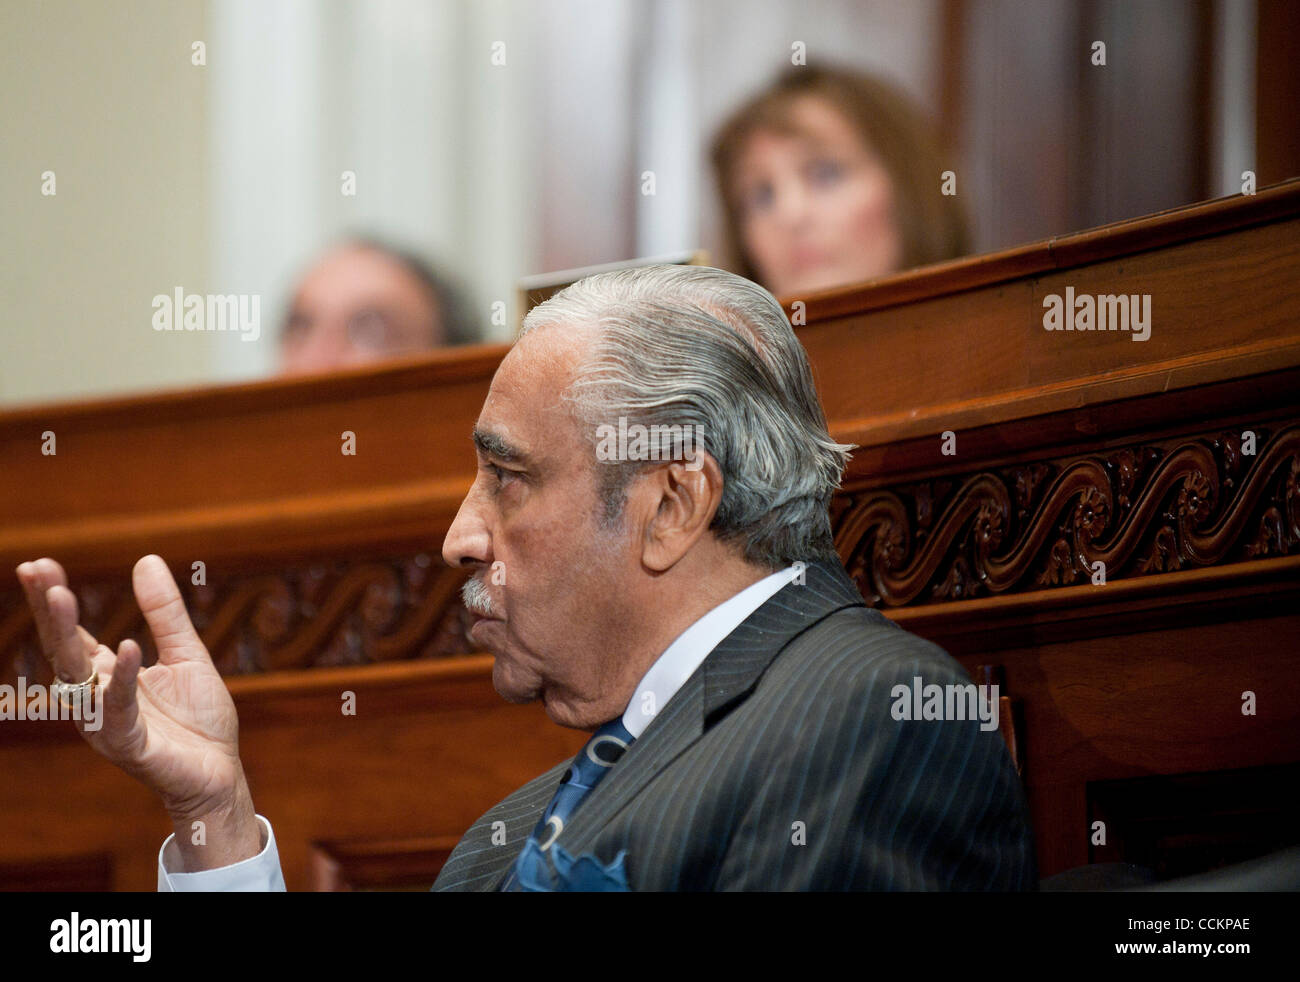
(816, 206)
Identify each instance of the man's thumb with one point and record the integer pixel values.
(164, 611)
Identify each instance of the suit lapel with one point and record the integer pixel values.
(726, 676)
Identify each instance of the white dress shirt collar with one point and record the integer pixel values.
(671, 670)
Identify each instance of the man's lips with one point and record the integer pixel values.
(476, 625)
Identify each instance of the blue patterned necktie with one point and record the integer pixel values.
(594, 761)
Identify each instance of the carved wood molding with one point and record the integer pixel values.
(315, 615)
(1141, 510)
(1149, 508)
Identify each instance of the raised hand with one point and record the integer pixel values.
(171, 726)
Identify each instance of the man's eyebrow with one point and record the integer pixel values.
(497, 446)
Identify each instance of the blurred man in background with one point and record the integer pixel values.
(364, 301)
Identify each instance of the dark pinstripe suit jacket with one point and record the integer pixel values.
(788, 721)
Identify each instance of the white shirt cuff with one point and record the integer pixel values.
(257, 873)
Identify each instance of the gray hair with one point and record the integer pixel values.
(683, 346)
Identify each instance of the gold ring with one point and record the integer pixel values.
(77, 690)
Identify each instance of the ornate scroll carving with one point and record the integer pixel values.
(336, 613)
(1139, 510)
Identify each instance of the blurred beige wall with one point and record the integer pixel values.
(105, 96)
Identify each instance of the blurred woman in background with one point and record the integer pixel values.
(830, 177)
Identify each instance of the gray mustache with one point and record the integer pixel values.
(477, 601)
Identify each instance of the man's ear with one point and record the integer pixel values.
(685, 497)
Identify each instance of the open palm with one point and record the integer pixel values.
(173, 725)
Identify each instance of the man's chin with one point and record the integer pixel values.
(509, 688)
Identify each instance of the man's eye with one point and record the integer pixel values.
(500, 473)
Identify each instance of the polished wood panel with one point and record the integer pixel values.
(430, 747)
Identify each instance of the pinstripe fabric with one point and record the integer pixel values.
(788, 721)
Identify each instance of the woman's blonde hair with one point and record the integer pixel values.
(932, 225)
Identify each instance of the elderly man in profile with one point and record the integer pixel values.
(684, 604)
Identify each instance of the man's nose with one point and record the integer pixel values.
(467, 542)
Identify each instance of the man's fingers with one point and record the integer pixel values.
(120, 696)
(68, 651)
(117, 734)
(36, 578)
(164, 611)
